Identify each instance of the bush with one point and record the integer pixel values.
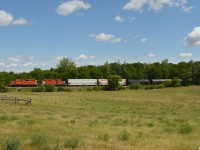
(167, 84)
(38, 89)
(12, 144)
(71, 143)
(176, 82)
(160, 86)
(113, 82)
(62, 89)
(121, 87)
(135, 86)
(97, 88)
(49, 88)
(3, 88)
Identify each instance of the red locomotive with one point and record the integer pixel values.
(28, 82)
(56, 82)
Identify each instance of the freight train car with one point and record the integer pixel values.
(56, 82)
(141, 81)
(23, 83)
(82, 82)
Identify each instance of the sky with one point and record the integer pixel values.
(38, 33)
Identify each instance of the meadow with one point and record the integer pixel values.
(159, 119)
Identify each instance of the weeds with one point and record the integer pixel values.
(71, 143)
(124, 135)
(185, 129)
(12, 144)
(105, 137)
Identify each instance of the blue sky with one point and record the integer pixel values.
(36, 34)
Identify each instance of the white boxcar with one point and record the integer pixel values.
(82, 82)
(123, 82)
(103, 82)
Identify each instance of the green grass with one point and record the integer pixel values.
(144, 119)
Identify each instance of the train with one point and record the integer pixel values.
(82, 82)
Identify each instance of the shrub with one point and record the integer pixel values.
(146, 87)
(71, 143)
(49, 88)
(113, 82)
(176, 82)
(12, 144)
(121, 87)
(90, 89)
(3, 88)
(135, 86)
(151, 87)
(167, 84)
(160, 86)
(38, 89)
(97, 88)
(62, 89)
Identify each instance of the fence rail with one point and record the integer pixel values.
(16, 100)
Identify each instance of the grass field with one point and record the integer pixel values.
(161, 119)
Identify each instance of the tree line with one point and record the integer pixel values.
(189, 72)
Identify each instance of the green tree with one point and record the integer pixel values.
(65, 64)
(113, 82)
(3, 87)
(175, 82)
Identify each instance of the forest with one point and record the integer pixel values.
(189, 72)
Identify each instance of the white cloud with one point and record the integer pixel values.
(151, 55)
(20, 22)
(187, 9)
(29, 64)
(102, 37)
(156, 5)
(84, 57)
(193, 38)
(131, 19)
(72, 6)
(185, 55)
(143, 40)
(15, 59)
(58, 58)
(5, 18)
(118, 19)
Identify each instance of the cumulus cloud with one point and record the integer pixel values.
(187, 9)
(193, 38)
(156, 5)
(84, 57)
(143, 40)
(151, 55)
(103, 37)
(20, 22)
(118, 19)
(5, 18)
(185, 55)
(72, 6)
(15, 59)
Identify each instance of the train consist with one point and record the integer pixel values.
(82, 82)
